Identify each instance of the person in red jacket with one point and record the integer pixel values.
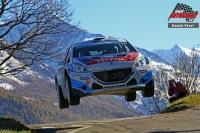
(176, 90)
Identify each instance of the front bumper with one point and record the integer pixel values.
(87, 83)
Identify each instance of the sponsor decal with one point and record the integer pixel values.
(85, 78)
(109, 88)
(132, 54)
(112, 87)
(183, 11)
(143, 71)
(129, 57)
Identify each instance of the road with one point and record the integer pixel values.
(187, 121)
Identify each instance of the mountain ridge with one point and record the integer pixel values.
(37, 82)
(169, 54)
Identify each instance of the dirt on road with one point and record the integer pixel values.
(187, 121)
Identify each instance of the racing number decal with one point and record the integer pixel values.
(107, 76)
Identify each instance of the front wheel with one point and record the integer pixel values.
(72, 99)
(62, 102)
(130, 96)
(148, 91)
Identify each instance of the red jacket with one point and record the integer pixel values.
(178, 88)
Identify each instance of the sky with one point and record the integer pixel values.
(143, 23)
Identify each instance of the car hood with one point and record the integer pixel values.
(108, 61)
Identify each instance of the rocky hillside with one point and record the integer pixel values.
(44, 110)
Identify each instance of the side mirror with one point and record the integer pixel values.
(67, 50)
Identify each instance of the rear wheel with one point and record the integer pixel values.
(148, 91)
(62, 102)
(72, 99)
(130, 96)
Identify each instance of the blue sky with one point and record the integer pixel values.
(143, 23)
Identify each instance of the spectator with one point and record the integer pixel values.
(176, 90)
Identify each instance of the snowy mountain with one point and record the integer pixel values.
(170, 54)
(37, 82)
(152, 56)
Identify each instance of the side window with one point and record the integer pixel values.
(127, 48)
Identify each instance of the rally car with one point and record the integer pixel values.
(102, 66)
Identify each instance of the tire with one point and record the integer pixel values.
(148, 91)
(62, 102)
(72, 99)
(130, 96)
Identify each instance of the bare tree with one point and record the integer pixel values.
(186, 69)
(156, 104)
(30, 31)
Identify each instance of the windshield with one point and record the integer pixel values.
(101, 49)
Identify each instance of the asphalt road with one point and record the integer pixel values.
(187, 121)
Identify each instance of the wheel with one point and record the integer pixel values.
(130, 96)
(148, 91)
(62, 102)
(72, 99)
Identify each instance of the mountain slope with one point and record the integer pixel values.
(32, 111)
(152, 56)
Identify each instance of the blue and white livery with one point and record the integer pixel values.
(103, 66)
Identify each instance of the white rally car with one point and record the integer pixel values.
(102, 66)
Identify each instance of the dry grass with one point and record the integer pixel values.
(183, 103)
(9, 125)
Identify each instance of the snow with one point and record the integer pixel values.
(197, 49)
(13, 78)
(10, 64)
(56, 104)
(169, 54)
(178, 49)
(7, 86)
(42, 67)
(51, 80)
(157, 65)
(28, 98)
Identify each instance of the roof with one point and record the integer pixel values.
(99, 40)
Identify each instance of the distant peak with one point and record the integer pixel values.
(178, 48)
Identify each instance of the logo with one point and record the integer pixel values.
(183, 11)
(87, 81)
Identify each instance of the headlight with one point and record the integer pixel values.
(147, 60)
(80, 68)
(143, 61)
